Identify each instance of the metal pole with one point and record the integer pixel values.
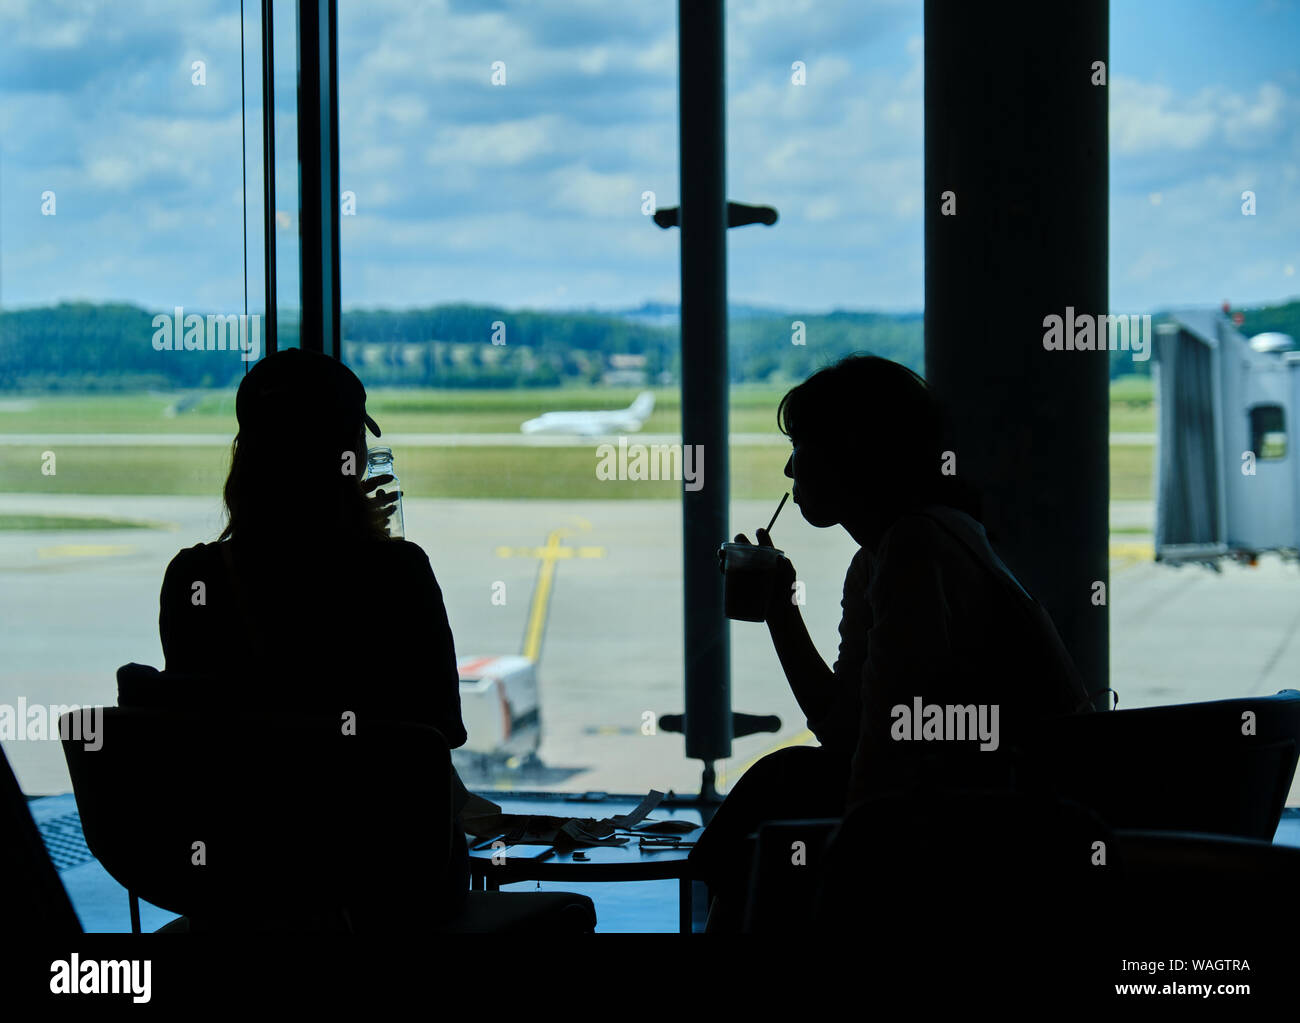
(705, 518)
(318, 162)
(268, 174)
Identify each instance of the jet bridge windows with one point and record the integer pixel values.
(1268, 432)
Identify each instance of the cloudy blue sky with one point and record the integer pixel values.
(529, 194)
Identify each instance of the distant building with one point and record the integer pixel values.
(625, 371)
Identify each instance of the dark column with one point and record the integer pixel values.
(705, 518)
(318, 167)
(1016, 129)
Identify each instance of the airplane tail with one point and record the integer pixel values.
(643, 405)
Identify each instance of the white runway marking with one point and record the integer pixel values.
(429, 440)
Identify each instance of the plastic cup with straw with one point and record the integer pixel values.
(746, 570)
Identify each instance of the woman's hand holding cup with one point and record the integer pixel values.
(759, 579)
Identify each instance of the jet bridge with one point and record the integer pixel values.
(1227, 483)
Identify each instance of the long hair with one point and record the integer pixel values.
(888, 427)
(292, 482)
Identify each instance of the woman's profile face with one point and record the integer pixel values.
(819, 483)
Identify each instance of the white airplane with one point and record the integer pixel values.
(596, 423)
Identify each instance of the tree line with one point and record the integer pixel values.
(84, 346)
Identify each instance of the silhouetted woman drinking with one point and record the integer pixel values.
(304, 575)
(930, 614)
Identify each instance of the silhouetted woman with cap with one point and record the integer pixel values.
(304, 568)
(930, 612)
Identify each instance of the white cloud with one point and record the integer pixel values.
(599, 195)
(504, 143)
(1245, 119)
(1149, 117)
(1145, 117)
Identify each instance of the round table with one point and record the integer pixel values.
(630, 862)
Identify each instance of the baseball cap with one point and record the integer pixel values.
(299, 385)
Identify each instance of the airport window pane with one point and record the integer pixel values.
(288, 249)
(123, 312)
(499, 265)
(825, 125)
(1203, 135)
(509, 305)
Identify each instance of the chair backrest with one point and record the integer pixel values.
(1189, 767)
(1203, 884)
(921, 859)
(215, 813)
(1185, 857)
(36, 902)
(783, 877)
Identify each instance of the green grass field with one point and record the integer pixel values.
(753, 410)
(495, 472)
(79, 522)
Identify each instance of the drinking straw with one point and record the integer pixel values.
(777, 512)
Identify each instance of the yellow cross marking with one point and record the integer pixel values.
(549, 554)
(542, 595)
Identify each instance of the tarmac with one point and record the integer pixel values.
(77, 604)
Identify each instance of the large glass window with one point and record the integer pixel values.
(1204, 132)
(511, 306)
(122, 289)
(825, 124)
